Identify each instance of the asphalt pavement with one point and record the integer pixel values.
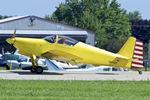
(63, 75)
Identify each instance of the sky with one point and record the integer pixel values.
(43, 7)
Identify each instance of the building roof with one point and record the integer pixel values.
(11, 19)
(22, 17)
(26, 32)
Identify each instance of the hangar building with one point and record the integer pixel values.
(33, 26)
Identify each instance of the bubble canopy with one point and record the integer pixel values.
(61, 40)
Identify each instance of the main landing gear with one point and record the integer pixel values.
(35, 68)
(38, 70)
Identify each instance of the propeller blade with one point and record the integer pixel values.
(11, 41)
(56, 39)
(3, 51)
(11, 48)
(14, 34)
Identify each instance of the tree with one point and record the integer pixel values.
(3, 17)
(105, 17)
(47, 17)
(134, 15)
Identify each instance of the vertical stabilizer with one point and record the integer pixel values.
(133, 49)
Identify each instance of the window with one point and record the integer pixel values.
(61, 40)
(30, 60)
(22, 60)
(10, 57)
(66, 40)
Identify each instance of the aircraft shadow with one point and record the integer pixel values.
(55, 73)
(29, 73)
(107, 73)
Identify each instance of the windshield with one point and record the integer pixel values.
(10, 57)
(51, 39)
(22, 60)
(61, 40)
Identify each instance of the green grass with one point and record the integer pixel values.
(74, 90)
(143, 69)
(2, 68)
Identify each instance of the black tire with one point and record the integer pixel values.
(39, 70)
(7, 67)
(33, 70)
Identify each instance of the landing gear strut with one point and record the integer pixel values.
(35, 68)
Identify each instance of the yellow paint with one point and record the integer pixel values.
(10, 66)
(79, 53)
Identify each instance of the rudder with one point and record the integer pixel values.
(133, 49)
(137, 61)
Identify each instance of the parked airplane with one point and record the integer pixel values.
(55, 66)
(63, 48)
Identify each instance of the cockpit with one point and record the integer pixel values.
(61, 40)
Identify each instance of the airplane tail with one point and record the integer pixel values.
(133, 49)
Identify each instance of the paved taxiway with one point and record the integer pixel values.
(26, 75)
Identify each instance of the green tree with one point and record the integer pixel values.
(47, 17)
(134, 15)
(3, 17)
(105, 17)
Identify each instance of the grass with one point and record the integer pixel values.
(74, 90)
(143, 69)
(2, 68)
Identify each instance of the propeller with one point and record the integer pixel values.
(56, 39)
(12, 41)
(14, 34)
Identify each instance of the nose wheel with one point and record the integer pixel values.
(38, 70)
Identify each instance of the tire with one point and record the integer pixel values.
(39, 70)
(33, 70)
(7, 67)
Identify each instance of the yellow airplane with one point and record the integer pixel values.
(63, 48)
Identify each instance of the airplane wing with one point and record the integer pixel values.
(24, 53)
(61, 56)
